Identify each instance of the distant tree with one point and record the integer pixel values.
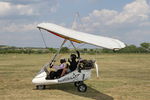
(145, 46)
(39, 51)
(141, 50)
(52, 50)
(29, 51)
(85, 50)
(129, 49)
(107, 51)
(65, 50)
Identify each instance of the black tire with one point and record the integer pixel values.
(40, 87)
(76, 84)
(82, 88)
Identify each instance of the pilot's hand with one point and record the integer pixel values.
(78, 53)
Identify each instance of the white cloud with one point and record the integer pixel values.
(4, 8)
(123, 24)
(7, 8)
(145, 24)
(137, 36)
(98, 19)
(29, 9)
(54, 7)
(25, 10)
(133, 13)
(19, 16)
(19, 27)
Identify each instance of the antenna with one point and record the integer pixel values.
(75, 22)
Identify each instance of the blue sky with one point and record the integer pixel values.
(126, 20)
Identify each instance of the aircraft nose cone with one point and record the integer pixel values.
(34, 80)
(37, 80)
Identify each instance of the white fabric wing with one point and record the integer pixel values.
(82, 37)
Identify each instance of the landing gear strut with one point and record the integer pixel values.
(76, 84)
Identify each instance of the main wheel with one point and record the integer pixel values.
(76, 84)
(40, 87)
(82, 88)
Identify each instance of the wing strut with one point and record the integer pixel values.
(43, 38)
(53, 59)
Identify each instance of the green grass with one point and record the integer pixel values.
(122, 77)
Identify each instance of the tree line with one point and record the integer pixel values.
(143, 48)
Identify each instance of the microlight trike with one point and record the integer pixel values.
(82, 71)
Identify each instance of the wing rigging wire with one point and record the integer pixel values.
(43, 39)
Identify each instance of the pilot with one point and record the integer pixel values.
(72, 66)
(73, 62)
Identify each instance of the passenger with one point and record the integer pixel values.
(65, 71)
(61, 66)
(56, 71)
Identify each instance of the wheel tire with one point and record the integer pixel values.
(40, 87)
(82, 88)
(76, 84)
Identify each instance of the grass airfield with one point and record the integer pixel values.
(122, 77)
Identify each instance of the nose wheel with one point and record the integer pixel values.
(40, 87)
(81, 87)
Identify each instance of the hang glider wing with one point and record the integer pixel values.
(81, 37)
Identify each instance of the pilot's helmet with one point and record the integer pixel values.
(62, 60)
(73, 56)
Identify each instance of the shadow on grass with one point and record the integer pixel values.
(90, 93)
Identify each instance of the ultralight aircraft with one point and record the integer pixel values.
(84, 67)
